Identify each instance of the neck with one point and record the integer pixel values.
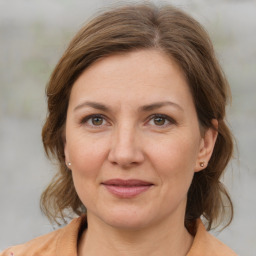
(170, 237)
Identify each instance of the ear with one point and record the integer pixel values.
(65, 147)
(66, 152)
(207, 144)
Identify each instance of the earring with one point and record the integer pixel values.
(69, 164)
(201, 164)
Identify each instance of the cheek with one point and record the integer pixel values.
(175, 158)
(86, 155)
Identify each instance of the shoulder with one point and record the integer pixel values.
(59, 242)
(208, 245)
(43, 244)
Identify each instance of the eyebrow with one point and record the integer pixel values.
(92, 104)
(157, 105)
(145, 108)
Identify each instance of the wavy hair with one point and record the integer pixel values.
(184, 40)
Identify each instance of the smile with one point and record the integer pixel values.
(126, 188)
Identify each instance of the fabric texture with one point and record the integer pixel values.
(63, 242)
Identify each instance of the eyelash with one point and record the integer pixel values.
(170, 120)
(87, 118)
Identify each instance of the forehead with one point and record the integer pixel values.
(145, 75)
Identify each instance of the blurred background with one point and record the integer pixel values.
(34, 34)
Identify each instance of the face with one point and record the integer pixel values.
(133, 139)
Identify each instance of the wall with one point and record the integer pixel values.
(33, 35)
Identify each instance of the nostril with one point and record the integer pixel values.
(125, 152)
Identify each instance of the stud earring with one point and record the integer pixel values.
(69, 164)
(201, 164)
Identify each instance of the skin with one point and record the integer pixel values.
(129, 142)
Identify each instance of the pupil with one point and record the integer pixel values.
(159, 121)
(97, 120)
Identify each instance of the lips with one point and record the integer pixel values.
(126, 188)
(126, 183)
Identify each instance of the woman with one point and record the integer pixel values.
(136, 109)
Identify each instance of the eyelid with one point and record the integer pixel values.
(86, 118)
(168, 118)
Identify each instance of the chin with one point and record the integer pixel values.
(128, 223)
(127, 219)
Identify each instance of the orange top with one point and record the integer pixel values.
(63, 242)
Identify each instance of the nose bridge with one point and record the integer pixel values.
(125, 149)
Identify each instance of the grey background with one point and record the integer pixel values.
(33, 35)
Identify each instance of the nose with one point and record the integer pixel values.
(125, 149)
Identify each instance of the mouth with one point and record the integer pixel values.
(126, 188)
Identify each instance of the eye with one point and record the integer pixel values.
(161, 120)
(97, 120)
(94, 120)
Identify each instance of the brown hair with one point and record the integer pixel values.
(129, 28)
